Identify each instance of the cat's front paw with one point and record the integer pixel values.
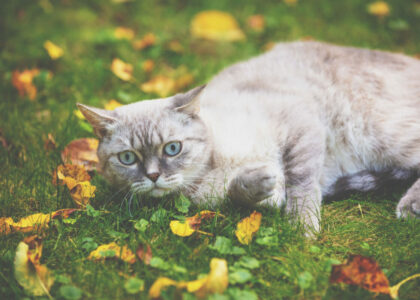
(252, 185)
(409, 206)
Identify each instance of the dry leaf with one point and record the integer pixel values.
(112, 104)
(215, 282)
(53, 50)
(113, 250)
(22, 81)
(33, 222)
(366, 273)
(82, 152)
(216, 25)
(124, 33)
(290, 2)
(49, 143)
(256, 22)
(160, 85)
(379, 8)
(147, 41)
(121, 69)
(35, 278)
(148, 65)
(247, 227)
(145, 256)
(191, 224)
(82, 192)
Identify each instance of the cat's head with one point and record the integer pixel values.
(154, 146)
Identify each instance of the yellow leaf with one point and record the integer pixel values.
(78, 114)
(160, 284)
(112, 104)
(175, 46)
(22, 81)
(216, 25)
(160, 85)
(147, 41)
(181, 229)
(82, 192)
(53, 50)
(124, 33)
(247, 227)
(121, 69)
(148, 65)
(113, 250)
(35, 278)
(70, 175)
(379, 8)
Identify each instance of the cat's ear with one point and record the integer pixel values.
(189, 103)
(100, 119)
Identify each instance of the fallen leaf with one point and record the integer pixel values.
(124, 33)
(112, 250)
(181, 229)
(49, 143)
(256, 22)
(148, 65)
(112, 104)
(82, 152)
(215, 282)
(35, 278)
(290, 2)
(216, 25)
(160, 85)
(191, 224)
(22, 81)
(121, 69)
(82, 192)
(147, 41)
(53, 50)
(34, 222)
(247, 227)
(176, 46)
(380, 9)
(366, 273)
(145, 256)
(134, 285)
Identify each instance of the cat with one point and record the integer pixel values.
(302, 121)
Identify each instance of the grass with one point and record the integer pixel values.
(290, 265)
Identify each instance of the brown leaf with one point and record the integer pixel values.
(81, 152)
(3, 140)
(70, 175)
(361, 271)
(145, 256)
(147, 41)
(256, 22)
(49, 143)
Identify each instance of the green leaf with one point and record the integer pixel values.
(69, 221)
(159, 215)
(305, 280)
(134, 285)
(247, 262)
(159, 263)
(117, 235)
(70, 292)
(91, 212)
(314, 249)
(240, 276)
(224, 246)
(182, 204)
(141, 225)
(237, 294)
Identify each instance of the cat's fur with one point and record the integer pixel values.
(304, 120)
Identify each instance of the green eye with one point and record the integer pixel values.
(172, 148)
(127, 157)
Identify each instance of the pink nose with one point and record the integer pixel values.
(153, 176)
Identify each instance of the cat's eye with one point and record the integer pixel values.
(172, 148)
(127, 157)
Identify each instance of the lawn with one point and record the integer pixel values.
(284, 263)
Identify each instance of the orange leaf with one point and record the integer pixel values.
(147, 41)
(256, 22)
(145, 256)
(361, 271)
(160, 85)
(53, 50)
(216, 25)
(113, 250)
(121, 69)
(35, 278)
(81, 152)
(148, 65)
(22, 81)
(247, 227)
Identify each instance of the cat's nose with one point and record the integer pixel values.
(153, 176)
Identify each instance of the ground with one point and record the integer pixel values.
(290, 265)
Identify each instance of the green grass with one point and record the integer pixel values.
(362, 224)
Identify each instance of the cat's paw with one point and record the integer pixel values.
(252, 185)
(409, 206)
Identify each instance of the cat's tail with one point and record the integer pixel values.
(367, 180)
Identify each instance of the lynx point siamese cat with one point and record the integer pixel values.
(305, 120)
